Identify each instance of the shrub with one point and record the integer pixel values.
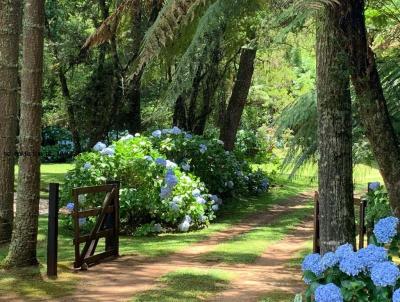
(155, 193)
(222, 171)
(377, 206)
(366, 275)
(57, 145)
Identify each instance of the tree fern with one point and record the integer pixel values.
(174, 14)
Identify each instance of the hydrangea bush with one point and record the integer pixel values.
(156, 194)
(224, 173)
(170, 180)
(366, 275)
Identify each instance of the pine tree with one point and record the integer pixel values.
(10, 27)
(22, 250)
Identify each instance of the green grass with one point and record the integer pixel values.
(278, 297)
(247, 247)
(192, 285)
(49, 173)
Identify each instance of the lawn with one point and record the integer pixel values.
(32, 283)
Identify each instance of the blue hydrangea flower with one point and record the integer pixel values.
(396, 295)
(373, 186)
(386, 229)
(99, 147)
(157, 134)
(87, 166)
(174, 206)
(344, 250)
(214, 198)
(70, 206)
(166, 131)
(170, 165)
(312, 263)
(165, 192)
(157, 228)
(186, 167)
(109, 151)
(203, 218)
(372, 254)
(185, 224)
(171, 180)
(148, 158)
(188, 136)
(196, 193)
(351, 264)
(177, 199)
(82, 221)
(329, 260)
(161, 161)
(203, 148)
(126, 137)
(176, 131)
(215, 208)
(264, 184)
(328, 293)
(201, 200)
(385, 274)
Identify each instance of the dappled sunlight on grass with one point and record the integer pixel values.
(247, 247)
(189, 285)
(31, 283)
(278, 297)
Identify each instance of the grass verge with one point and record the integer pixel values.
(246, 248)
(189, 285)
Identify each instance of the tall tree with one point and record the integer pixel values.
(10, 27)
(22, 250)
(371, 103)
(238, 98)
(334, 131)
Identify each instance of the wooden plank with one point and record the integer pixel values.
(101, 256)
(98, 235)
(362, 228)
(90, 246)
(94, 212)
(75, 220)
(94, 189)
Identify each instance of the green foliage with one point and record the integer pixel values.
(224, 173)
(57, 145)
(378, 206)
(142, 180)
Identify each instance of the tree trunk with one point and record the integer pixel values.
(238, 98)
(73, 127)
(10, 27)
(371, 104)
(179, 118)
(22, 250)
(337, 224)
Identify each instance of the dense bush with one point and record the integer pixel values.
(224, 173)
(169, 180)
(377, 206)
(57, 145)
(366, 275)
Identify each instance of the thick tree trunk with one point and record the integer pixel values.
(371, 104)
(179, 118)
(10, 27)
(238, 98)
(22, 250)
(334, 132)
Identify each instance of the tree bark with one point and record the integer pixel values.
(238, 98)
(337, 224)
(179, 118)
(22, 250)
(371, 104)
(10, 28)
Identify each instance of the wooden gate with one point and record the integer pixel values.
(106, 225)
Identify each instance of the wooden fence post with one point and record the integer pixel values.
(316, 245)
(112, 221)
(362, 227)
(52, 237)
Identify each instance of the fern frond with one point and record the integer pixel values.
(106, 30)
(174, 14)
